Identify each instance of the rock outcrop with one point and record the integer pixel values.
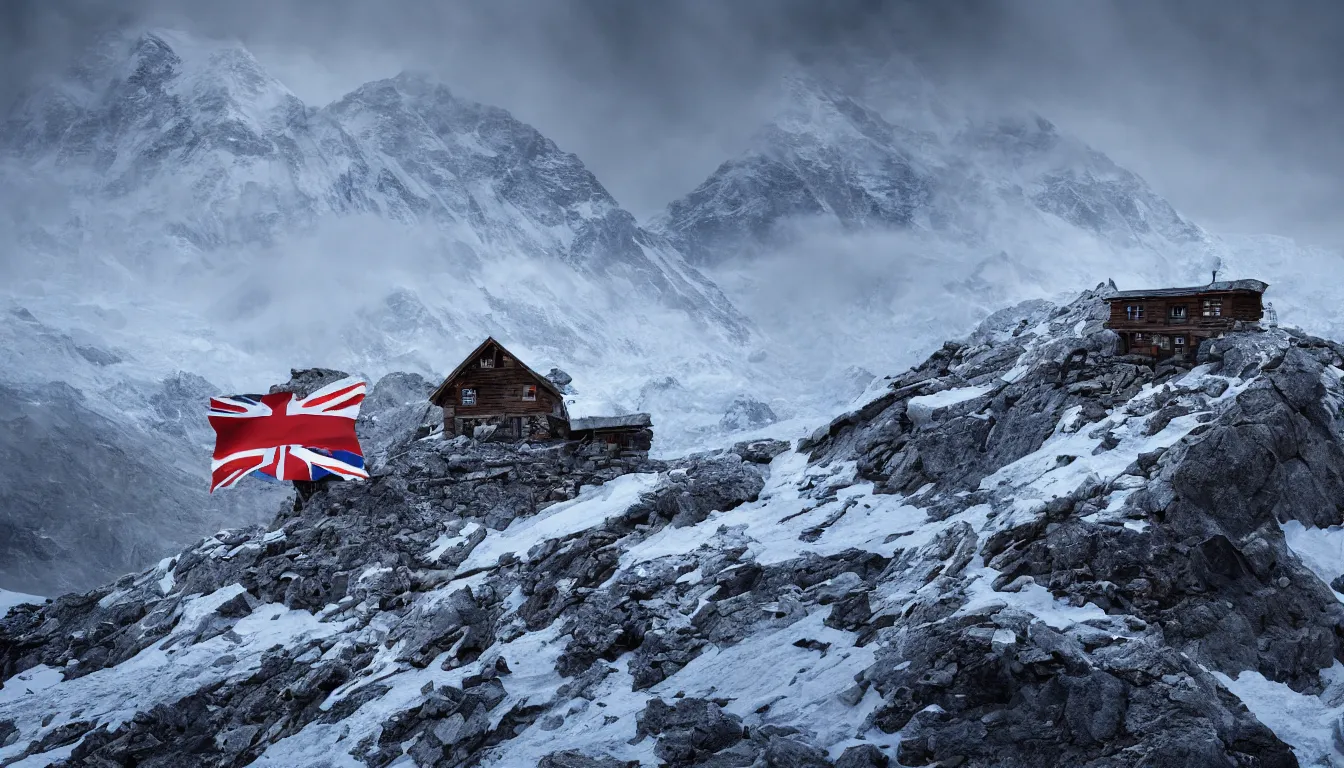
(997, 562)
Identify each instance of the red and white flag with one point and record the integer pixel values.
(287, 438)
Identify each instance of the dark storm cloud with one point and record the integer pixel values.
(1234, 110)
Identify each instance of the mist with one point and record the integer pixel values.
(1233, 110)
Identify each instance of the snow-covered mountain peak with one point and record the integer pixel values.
(813, 109)
(452, 156)
(908, 161)
(823, 156)
(870, 220)
(150, 93)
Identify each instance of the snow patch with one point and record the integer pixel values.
(10, 599)
(1320, 549)
(1032, 598)
(920, 409)
(591, 508)
(772, 526)
(1306, 723)
(445, 542)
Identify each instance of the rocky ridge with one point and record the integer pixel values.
(1001, 561)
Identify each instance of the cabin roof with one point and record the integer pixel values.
(442, 389)
(631, 420)
(1218, 287)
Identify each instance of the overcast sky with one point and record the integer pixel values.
(1232, 109)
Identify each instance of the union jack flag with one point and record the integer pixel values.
(287, 438)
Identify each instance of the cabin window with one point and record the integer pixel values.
(1213, 307)
(1179, 341)
(1134, 312)
(1164, 342)
(468, 397)
(529, 392)
(1178, 313)
(487, 362)
(1138, 338)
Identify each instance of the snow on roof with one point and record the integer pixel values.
(611, 422)
(1225, 285)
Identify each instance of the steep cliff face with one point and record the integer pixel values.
(995, 562)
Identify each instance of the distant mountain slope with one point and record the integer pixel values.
(105, 471)
(170, 207)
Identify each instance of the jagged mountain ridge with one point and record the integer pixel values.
(827, 155)
(163, 117)
(994, 562)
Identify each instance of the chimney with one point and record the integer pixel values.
(1215, 277)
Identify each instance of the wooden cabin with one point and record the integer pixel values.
(1171, 322)
(493, 387)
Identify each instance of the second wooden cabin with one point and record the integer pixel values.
(1171, 322)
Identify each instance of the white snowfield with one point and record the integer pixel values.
(589, 509)
(10, 599)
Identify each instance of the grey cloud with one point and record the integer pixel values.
(1234, 110)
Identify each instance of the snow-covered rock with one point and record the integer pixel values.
(1125, 565)
(747, 413)
(560, 379)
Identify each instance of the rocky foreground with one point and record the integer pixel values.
(998, 562)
